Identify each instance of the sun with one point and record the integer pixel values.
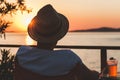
(26, 21)
(22, 21)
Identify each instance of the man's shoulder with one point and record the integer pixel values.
(67, 54)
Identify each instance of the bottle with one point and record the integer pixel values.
(112, 67)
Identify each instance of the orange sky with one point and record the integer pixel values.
(82, 14)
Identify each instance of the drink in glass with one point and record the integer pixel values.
(112, 67)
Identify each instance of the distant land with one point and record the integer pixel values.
(101, 29)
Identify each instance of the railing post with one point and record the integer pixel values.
(103, 59)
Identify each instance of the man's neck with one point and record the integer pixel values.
(47, 46)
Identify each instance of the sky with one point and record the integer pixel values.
(82, 14)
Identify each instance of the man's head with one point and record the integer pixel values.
(48, 26)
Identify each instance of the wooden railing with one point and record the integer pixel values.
(103, 50)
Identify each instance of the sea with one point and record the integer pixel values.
(90, 57)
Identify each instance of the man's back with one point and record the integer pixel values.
(46, 62)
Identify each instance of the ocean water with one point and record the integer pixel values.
(89, 57)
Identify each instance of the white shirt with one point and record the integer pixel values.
(47, 62)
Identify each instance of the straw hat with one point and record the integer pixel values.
(48, 25)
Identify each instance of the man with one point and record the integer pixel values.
(43, 62)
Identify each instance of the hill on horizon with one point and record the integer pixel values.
(101, 29)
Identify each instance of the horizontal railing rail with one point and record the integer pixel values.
(103, 50)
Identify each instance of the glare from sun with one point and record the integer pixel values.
(22, 21)
(26, 21)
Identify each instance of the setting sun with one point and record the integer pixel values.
(26, 21)
(22, 21)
